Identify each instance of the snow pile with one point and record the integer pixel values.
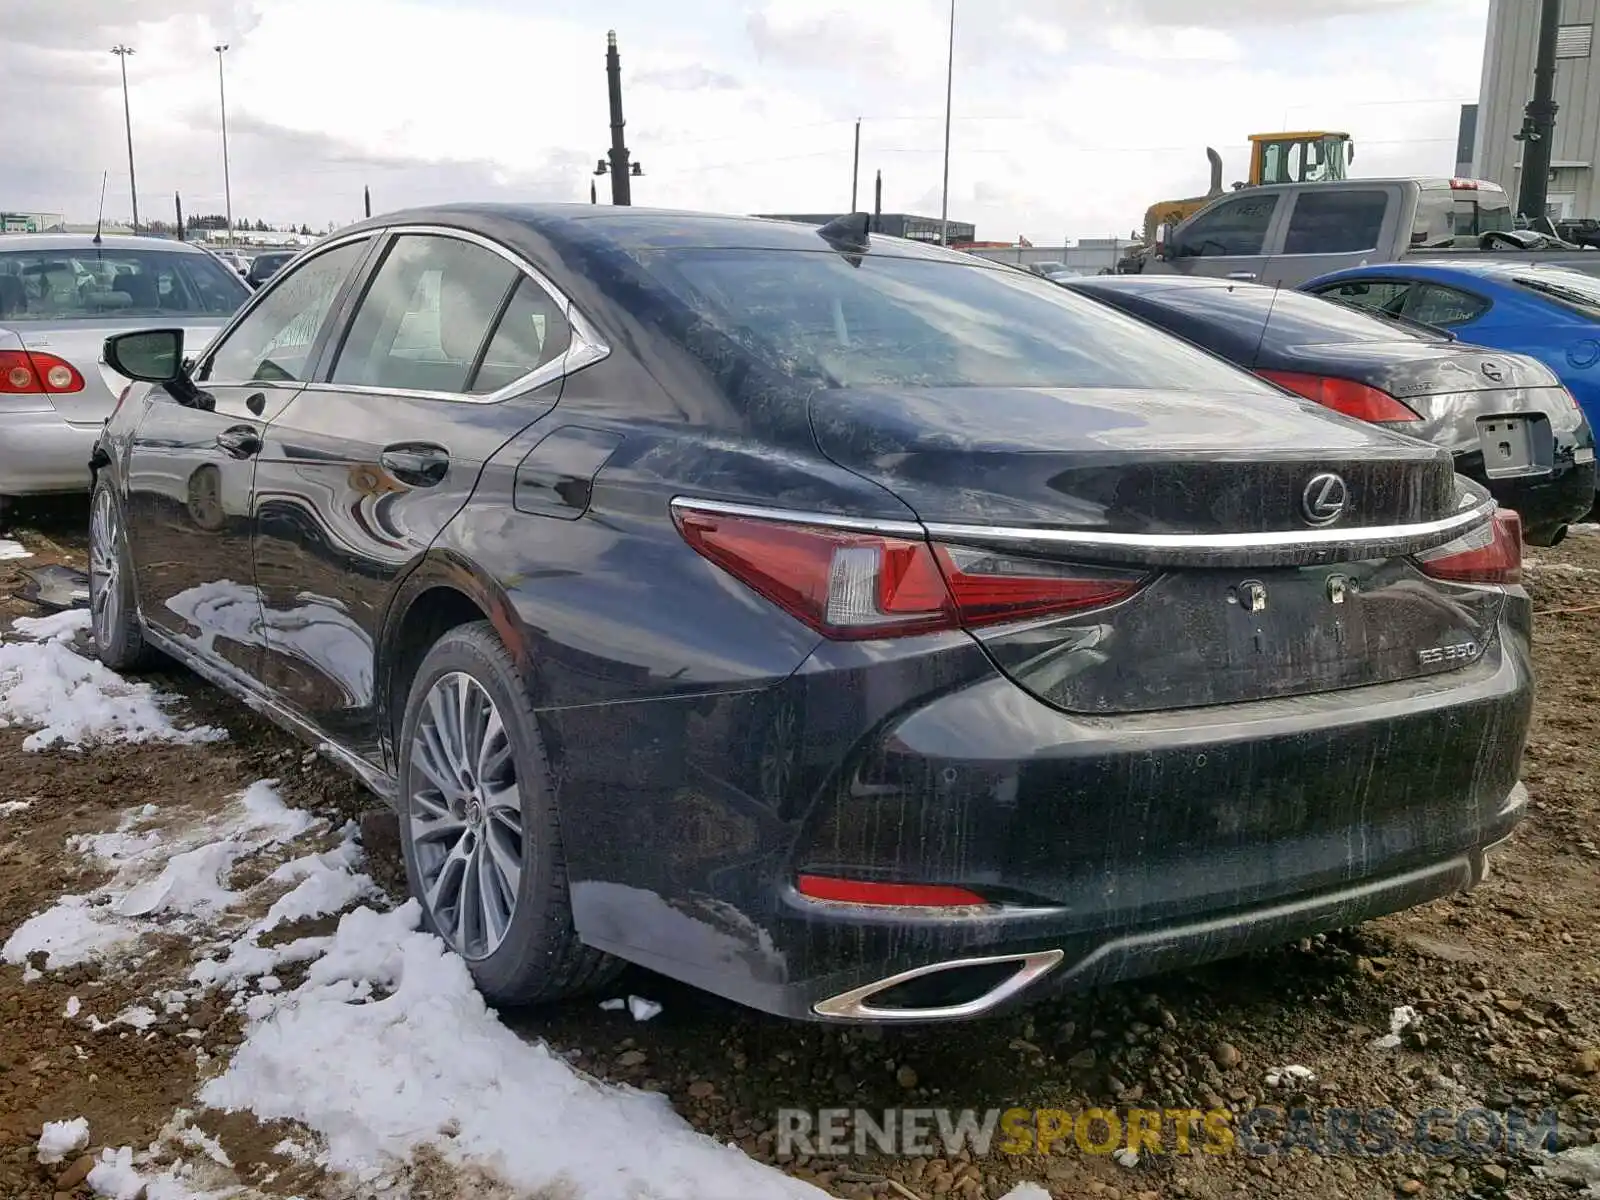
(10, 550)
(61, 1138)
(74, 700)
(379, 1076)
(1400, 1020)
(176, 876)
(8, 807)
(1290, 1076)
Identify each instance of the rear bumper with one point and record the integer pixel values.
(1546, 503)
(1110, 847)
(42, 453)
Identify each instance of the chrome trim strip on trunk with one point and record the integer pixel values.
(853, 1006)
(1272, 548)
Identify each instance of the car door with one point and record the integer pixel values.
(1228, 239)
(1332, 229)
(452, 348)
(192, 466)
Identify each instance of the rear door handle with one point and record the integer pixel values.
(241, 441)
(1241, 274)
(421, 464)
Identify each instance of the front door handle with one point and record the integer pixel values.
(421, 464)
(1242, 275)
(241, 441)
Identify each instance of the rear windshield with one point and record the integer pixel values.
(1296, 319)
(100, 282)
(896, 322)
(1573, 289)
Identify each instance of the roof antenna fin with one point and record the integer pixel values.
(101, 215)
(847, 233)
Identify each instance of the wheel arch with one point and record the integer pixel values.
(443, 592)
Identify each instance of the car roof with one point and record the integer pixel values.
(1147, 284)
(649, 229)
(85, 241)
(1496, 270)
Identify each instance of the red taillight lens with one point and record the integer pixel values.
(1491, 553)
(29, 372)
(895, 895)
(1345, 396)
(849, 586)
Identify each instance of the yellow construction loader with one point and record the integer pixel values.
(1274, 158)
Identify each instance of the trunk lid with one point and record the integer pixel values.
(1127, 461)
(1215, 624)
(82, 344)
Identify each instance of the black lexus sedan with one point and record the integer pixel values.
(855, 629)
(1506, 418)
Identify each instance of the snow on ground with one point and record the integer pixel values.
(382, 1049)
(61, 1138)
(72, 700)
(10, 550)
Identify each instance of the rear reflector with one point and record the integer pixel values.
(29, 372)
(894, 895)
(1491, 553)
(850, 586)
(1345, 396)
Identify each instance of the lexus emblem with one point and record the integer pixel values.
(1492, 371)
(1325, 499)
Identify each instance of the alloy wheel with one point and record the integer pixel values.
(105, 567)
(465, 818)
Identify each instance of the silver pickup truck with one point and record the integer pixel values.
(1290, 232)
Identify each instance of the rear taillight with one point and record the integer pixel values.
(1491, 553)
(849, 586)
(29, 372)
(1345, 396)
(892, 895)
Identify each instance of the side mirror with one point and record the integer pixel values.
(1164, 242)
(147, 355)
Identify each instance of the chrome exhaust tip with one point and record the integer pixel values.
(1024, 971)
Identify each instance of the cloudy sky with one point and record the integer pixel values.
(1070, 115)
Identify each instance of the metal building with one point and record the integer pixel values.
(1507, 85)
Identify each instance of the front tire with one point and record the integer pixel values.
(113, 609)
(478, 826)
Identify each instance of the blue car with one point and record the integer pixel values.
(1547, 312)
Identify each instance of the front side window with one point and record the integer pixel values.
(1388, 295)
(97, 283)
(1237, 227)
(1335, 222)
(273, 343)
(915, 323)
(425, 320)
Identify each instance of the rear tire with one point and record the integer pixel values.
(478, 826)
(113, 608)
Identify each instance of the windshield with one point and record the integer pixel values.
(1573, 289)
(895, 322)
(97, 282)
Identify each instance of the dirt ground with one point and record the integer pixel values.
(1506, 980)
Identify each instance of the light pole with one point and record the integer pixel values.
(949, 91)
(222, 96)
(122, 53)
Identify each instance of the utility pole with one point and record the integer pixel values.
(855, 170)
(122, 53)
(620, 171)
(877, 204)
(177, 204)
(366, 199)
(949, 92)
(222, 95)
(1539, 120)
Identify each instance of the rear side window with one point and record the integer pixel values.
(533, 332)
(881, 321)
(1237, 227)
(426, 316)
(1335, 222)
(1435, 304)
